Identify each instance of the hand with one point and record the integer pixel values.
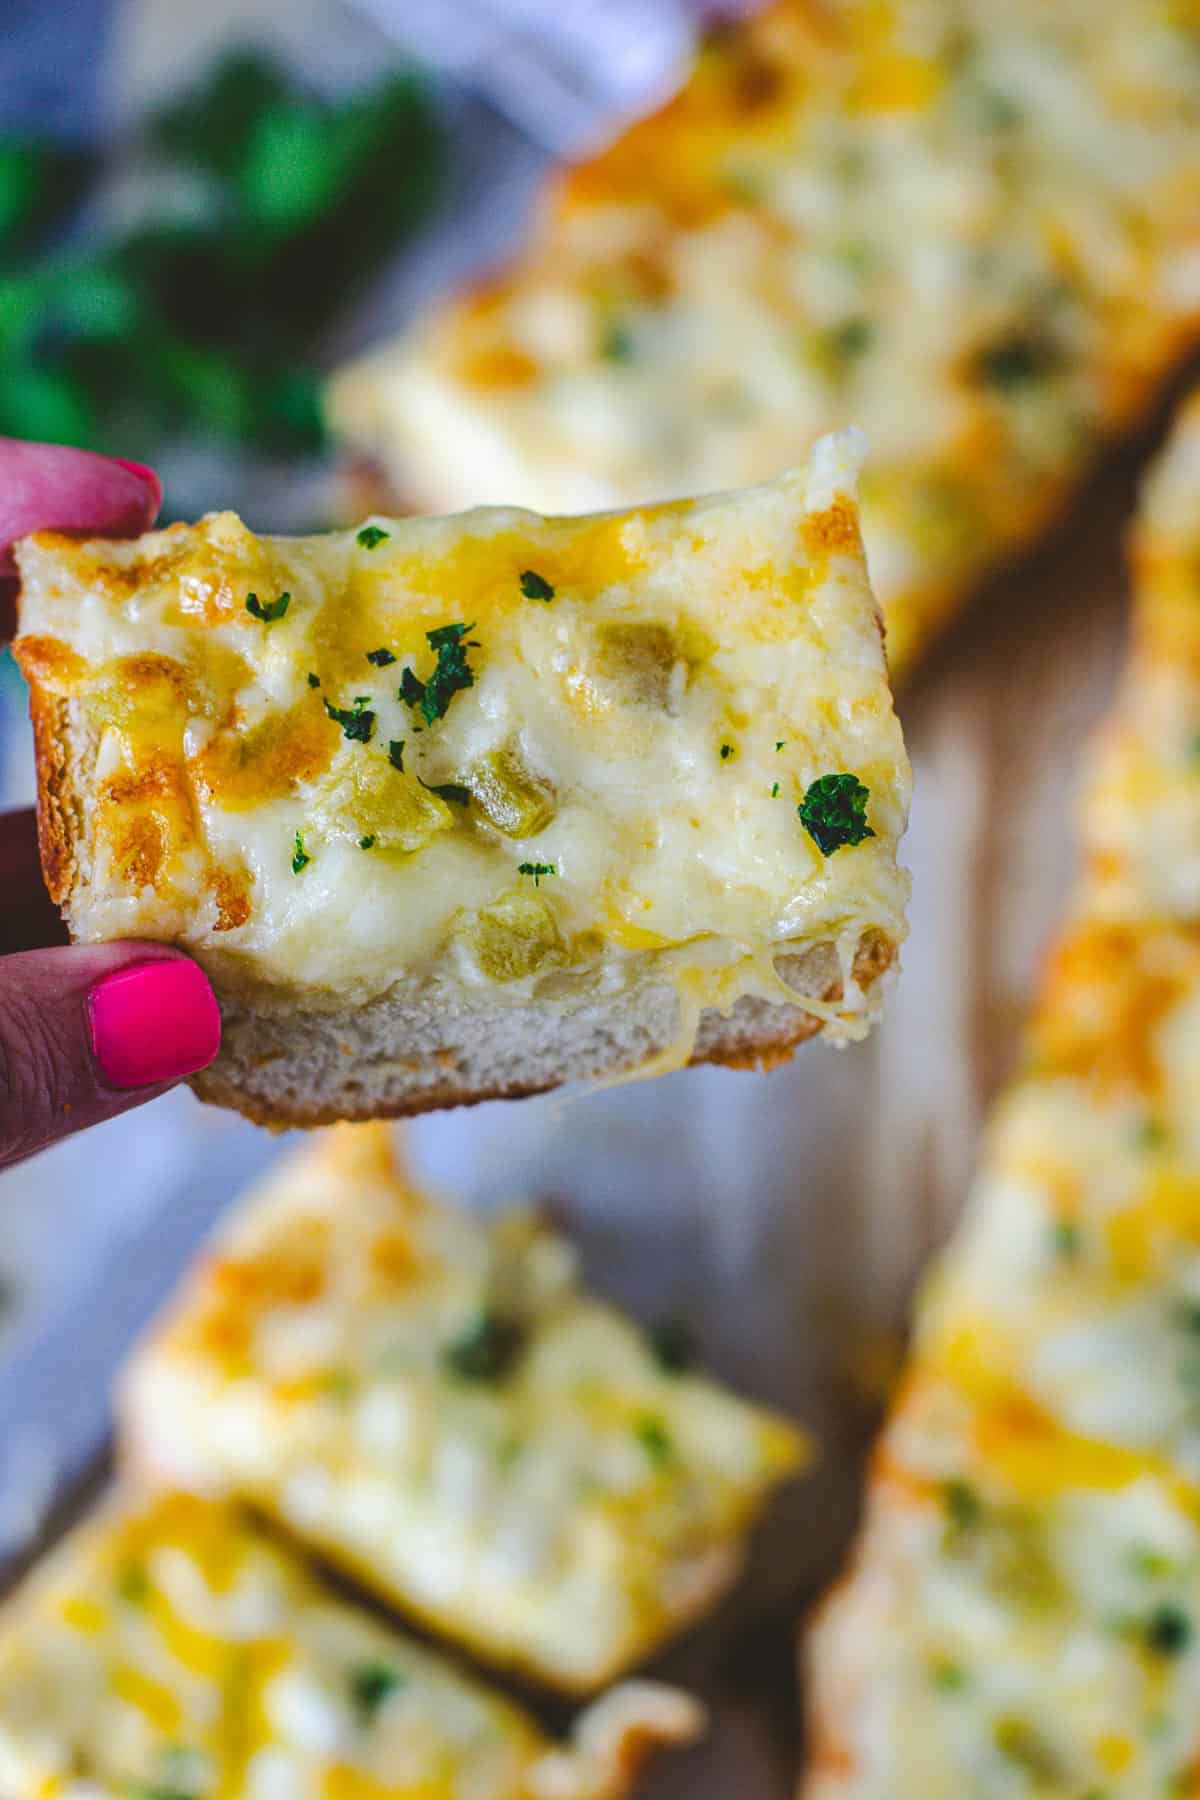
(90, 1030)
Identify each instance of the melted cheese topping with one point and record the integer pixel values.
(437, 1404)
(969, 226)
(561, 747)
(169, 1649)
(1024, 1617)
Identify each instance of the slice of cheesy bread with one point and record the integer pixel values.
(1023, 1613)
(970, 226)
(167, 1650)
(434, 1402)
(461, 808)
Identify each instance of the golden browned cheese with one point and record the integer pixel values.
(1023, 1613)
(970, 226)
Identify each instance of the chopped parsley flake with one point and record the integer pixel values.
(964, 1509)
(453, 791)
(314, 681)
(673, 1345)
(726, 752)
(371, 1685)
(537, 870)
(654, 1438)
(357, 725)
(779, 743)
(274, 609)
(300, 858)
(488, 1348)
(164, 1793)
(451, 675)
(775, 790)
(381, 658)
(1016, 362)
(1168, 1631)
(371, 536)
(834, 812)
(535, 586)
(396, 754)
(368, 842)
(852, 338)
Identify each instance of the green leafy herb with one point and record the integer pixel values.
(451, 675)
(779, 743)
(314, 681)
(381, 658)
(371, 536)
(488, 1348)
(368, 842)
(1168, 1631)
(851, 339)
(964, 1509)
(453, 791)
(357, 724)
(163, 1793)
(300, 859)
(371, 1685)
(535, 586)
(1150, 1564)
(396, 754)
(673, 1345)
(775, 790)
(537, 870)
(654, 1438)
(274, 609)
(726, 752)
(834, 812)
(1016, 362)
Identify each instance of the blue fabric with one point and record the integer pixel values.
(51, 57)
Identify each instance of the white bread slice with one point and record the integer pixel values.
(169, 1647)
(452, 809)
(434, 1402)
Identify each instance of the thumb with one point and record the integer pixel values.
(90, 1030)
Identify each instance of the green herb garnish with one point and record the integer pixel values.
(452, 674)
(357, 724)
(726, 752)
(274, 609)
(300, 858)
(537, 870)
(453, 791)
(314, 681)
(381, 658)
(368, 842)
(775, 790)
(371, 536)
(396, 754)
(834, 812)
(851, 339)
(1168, 1631)
(1016, 362)
(488, 1348)
(535, 586)
(371, 1685)
(654, 1438)
(779, 743)
(964, 1509)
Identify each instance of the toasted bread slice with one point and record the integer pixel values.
(1023, 1612)
(434, 1402)
(167, 1647)
(971, 229)
(454, 809)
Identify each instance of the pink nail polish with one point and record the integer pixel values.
(155, 1021)
(146, 475)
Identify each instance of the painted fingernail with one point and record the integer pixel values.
(146, 475)
(155, 1021)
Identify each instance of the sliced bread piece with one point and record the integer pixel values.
(435, 1403)
(168, 1648)
(459, 808)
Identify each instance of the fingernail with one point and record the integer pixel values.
(146, 475)
(155, 1021)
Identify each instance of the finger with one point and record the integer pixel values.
(89, 1031)
(50, 487)
(29, 919)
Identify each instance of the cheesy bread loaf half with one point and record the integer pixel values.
(169, 1649)
(433, 1402)
(970, 226)
(1022, 1616)
(452, 809)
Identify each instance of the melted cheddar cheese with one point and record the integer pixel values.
(496, 755)
(1023, 1618)
(970, 226)
(169, 1649)
(436, 1404)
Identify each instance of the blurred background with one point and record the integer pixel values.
(204, 208)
